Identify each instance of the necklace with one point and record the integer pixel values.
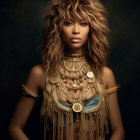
(73, 71)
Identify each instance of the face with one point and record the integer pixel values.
(74, 34)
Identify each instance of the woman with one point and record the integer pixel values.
(79, 91)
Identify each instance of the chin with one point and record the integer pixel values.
(76, 45)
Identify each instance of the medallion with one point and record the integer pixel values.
(77, 107)
(90, 74)
(48, 87)
(54, 79)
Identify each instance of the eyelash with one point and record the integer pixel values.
(82, 24)
(68, 23)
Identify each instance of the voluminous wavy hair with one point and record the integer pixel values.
(96, 47)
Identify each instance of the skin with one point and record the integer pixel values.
(36, 80)
(74, 29)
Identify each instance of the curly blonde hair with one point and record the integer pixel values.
(96, 47)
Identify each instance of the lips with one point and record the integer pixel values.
(75, 39)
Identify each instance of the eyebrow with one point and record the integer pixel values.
(72, 20)
(69, 20)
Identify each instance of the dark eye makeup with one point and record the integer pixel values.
(67, 23)
(82, 23)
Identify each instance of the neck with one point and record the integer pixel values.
(74, 51)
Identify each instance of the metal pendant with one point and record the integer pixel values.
(90, 80)
(54, 80)
(90, 74)
(77, 107)
(48, 87)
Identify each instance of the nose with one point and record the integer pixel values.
(76, 29)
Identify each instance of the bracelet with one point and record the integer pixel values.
(113, 89)
(28, 92)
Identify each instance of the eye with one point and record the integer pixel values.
(83, 24)
(67, 23)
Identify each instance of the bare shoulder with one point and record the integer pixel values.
(37, 70)
(108, 77)
(107, 72)
(36, 77)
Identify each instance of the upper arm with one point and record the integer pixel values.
(108, 77)
(114, 111)
(26, 103)
(35, 79)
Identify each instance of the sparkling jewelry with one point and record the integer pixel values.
(73, 71)
(77, 103)
(77, 107)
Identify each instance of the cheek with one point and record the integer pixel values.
(64, 38)
(86, 32)
(65, 32)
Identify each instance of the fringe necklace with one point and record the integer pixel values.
(75, 97)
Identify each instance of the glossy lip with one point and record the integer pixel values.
(75, 39)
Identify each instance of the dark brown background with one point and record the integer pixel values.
(20, 33)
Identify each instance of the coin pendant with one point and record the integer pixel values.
(90, 74)
(77, 107)
(54, 80)
(48, 87)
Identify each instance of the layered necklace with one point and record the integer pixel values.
(73, 73)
